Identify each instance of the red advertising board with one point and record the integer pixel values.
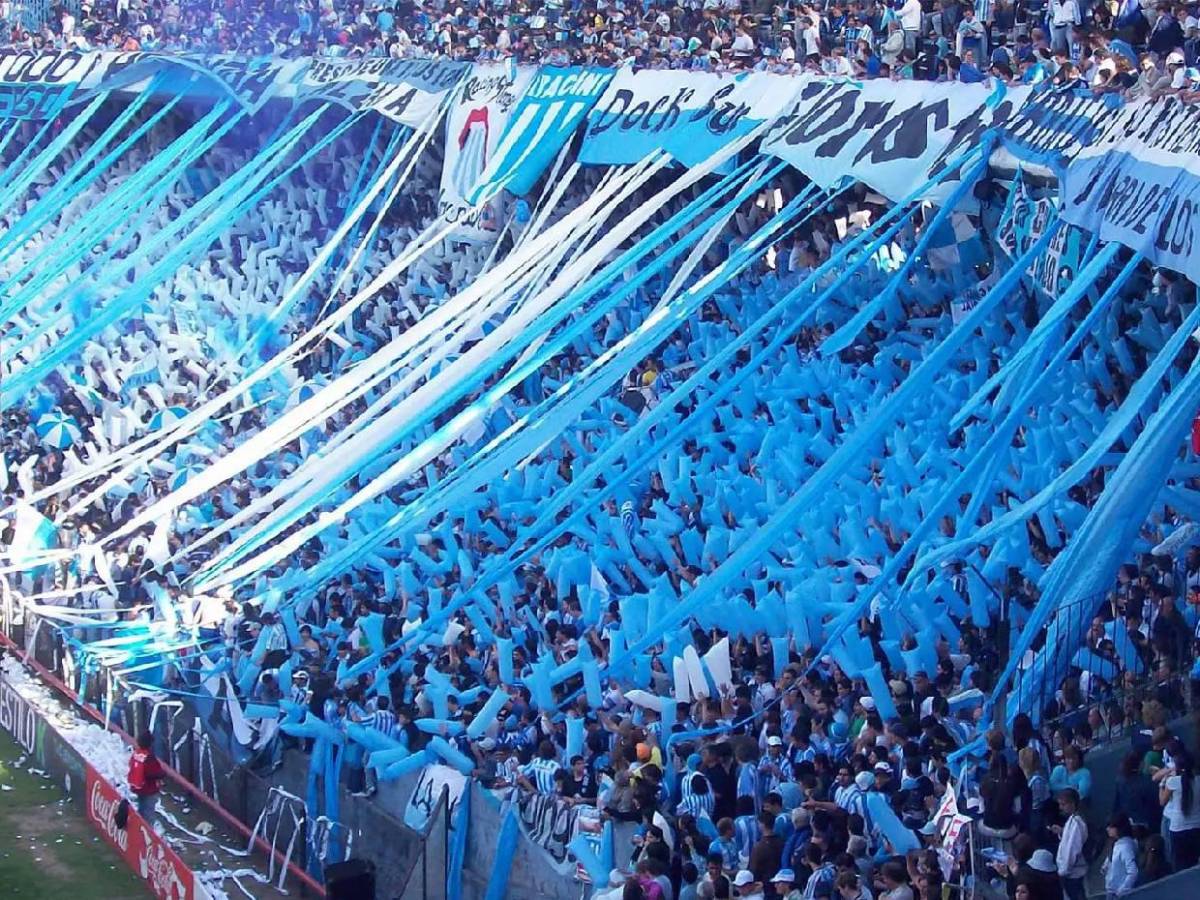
(142, 847)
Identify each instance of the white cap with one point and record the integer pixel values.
(743, 878)
(774, 741)
(1175, 58)
(868, 703)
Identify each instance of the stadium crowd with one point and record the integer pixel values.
(1136, 47)
(773, 787)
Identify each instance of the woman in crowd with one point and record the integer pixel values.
(1180, 797)
(1072, 773)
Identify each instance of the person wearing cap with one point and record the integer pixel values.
(1177, 71)
(864, 709)
(884, 782)
(783, 883)
(1040, 872)
(695, 792)
(748, 888)
(774, 767)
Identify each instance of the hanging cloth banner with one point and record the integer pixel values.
(1024, 221)
(889, 135)
(474, 124)
(1139, 182)
(1054, 125)
(404, 90)
(250, 81)
(541, 124)
(33, 85)
(689, 115)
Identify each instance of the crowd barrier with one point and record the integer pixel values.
(143, 850)
(41, 650)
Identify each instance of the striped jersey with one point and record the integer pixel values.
(541, 772)
(747, 782)
(383, 721)
(690, 801)
(747, 832)
(768, 779)
(823, 875)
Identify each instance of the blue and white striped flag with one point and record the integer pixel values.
(628, 518)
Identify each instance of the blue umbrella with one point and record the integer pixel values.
(166, 417)
(58, 430)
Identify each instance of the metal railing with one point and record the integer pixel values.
(1101, 685)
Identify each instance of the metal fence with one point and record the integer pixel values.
(1107, 677)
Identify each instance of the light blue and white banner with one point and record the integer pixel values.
(404, 90)
(545, 118)
(34, 84)
(1139, 183)
(1055, 124)
(689, 115)
(1025, 220)
(890, 135)
(477, 118)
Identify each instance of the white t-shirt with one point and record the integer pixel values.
(812, 41)
(1173, 812)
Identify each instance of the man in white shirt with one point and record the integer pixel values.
(910, 21)
(810, 40)
(837, 64)
(1072, 866)
(1064, 15)
(743, 44)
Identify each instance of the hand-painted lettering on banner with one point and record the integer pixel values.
(689, 115)
(891, 136)
(1024, 222)
(474, 124)
(543, 121)
(1139, 182)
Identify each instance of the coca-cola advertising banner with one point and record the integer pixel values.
(143, 849)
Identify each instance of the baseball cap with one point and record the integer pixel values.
(784, 875)
(883, 767)
(1175, 58)
(743, 878)
(867, 702)
(774, 741)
